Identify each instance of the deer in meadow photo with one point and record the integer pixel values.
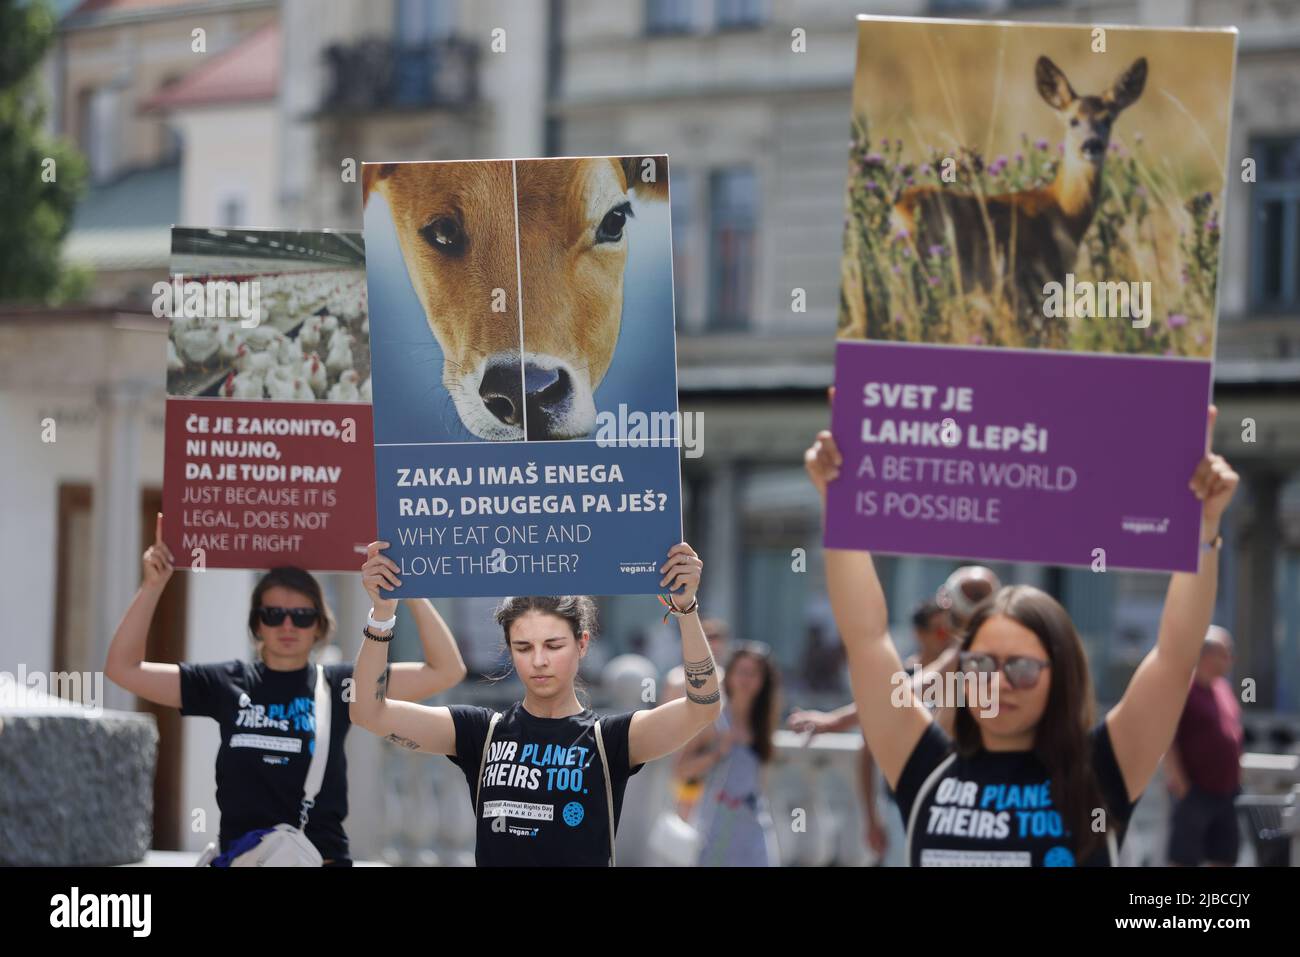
(1023, 240)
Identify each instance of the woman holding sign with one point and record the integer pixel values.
(267, 709)
(547, 775)
(1027, 778)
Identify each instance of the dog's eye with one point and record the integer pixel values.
(1074, 121)
(445, 235)
(610, 229)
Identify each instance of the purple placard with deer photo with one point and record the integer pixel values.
(1029, 290)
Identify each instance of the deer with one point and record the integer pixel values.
(1031, 236)
(485, 242)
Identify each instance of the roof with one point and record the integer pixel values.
(93, 13)
(126, 224)
(248, 72)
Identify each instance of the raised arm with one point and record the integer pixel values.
(442, 668)
(662, 730)
(413, 726)
(159, 682)
(1142, 725)
(858, 603)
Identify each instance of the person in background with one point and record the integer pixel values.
(1203, 765)
(731, 757)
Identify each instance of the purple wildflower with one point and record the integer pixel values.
(1176, 320)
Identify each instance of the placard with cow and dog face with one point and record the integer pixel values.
(525, 385)
(1029, 288)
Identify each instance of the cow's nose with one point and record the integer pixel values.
(549, 394)
(499, 391)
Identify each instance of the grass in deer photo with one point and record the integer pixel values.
(965, 96)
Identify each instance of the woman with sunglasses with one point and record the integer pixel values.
(732, 816)
(1028, 777)
(546, 776)
(266, 708)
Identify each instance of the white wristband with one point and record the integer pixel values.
(384, 625)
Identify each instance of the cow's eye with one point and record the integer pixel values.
(446, 235)
(610, 229)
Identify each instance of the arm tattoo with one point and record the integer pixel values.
(381, 686)
(698, 672)
(703, 698)
(404, 742)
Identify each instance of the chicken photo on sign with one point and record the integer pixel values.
(262, 314)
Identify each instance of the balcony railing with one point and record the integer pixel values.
(386, 74)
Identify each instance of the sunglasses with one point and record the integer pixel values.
(1021, 672)
(302, 617)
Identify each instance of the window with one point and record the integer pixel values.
(422, 27)
(98, 135)
(1275, 227)
(668, 16)
(733, 202)
(739, 13)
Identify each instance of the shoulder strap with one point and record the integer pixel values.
(319, 754)
(921, 795)
(482, 764)
(609, 791)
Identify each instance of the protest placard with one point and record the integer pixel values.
(268, 447)
(1029, 284)
(527, 435)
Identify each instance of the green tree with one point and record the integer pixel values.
(41, 177)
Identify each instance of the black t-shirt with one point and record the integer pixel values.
(994, 809)
(268, 732)
(543, 794)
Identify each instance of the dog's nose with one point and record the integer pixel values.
(499, 391)
(549, 394)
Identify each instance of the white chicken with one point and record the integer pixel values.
(302, 392)
(174, 362)
(247, 360)
(345, 390)
(198, 346)
(340, 354)
(290, 352)
(365, 390)
(280, 388)
(246, 385)
(261, 338)
(329, 324)
(229, 339)
(282, 375)
(309, 335)
(313, 370)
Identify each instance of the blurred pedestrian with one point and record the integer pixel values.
(732, 817)
(1203, 765)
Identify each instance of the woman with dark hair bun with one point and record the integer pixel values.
(1029, 776)
(267, 707)
(546, 776)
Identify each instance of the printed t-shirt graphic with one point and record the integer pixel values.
(268, 730)
(543, 790)
(996, 808)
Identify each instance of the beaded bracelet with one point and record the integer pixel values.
(365, 630)
(674, 610)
